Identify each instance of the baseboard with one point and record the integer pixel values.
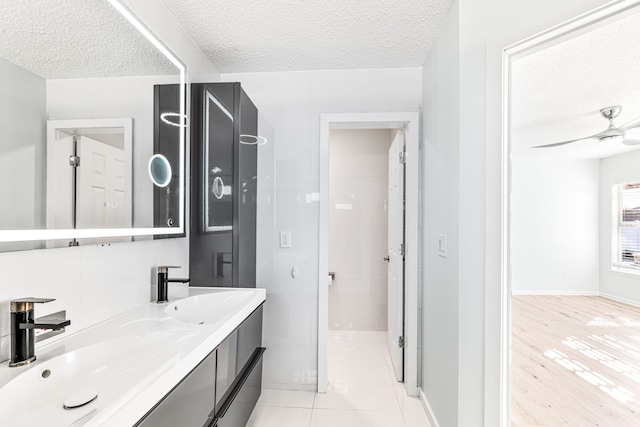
(560, 293)
(427, 408)
(293, 387)
(620, 299)
(579, 293)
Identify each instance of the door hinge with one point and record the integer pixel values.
(403, 249)
(403, 157)
(74, 161)
(400, 342)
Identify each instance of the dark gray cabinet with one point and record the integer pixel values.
(222, 241)
(190, 402)
(223, 389)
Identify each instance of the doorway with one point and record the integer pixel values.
(409, 123)
(89, 177)
(366, 264)
(560, 247)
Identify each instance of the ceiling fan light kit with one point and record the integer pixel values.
(613, 134)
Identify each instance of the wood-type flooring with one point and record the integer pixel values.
(575, 362)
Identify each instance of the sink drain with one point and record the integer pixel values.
(78, 400)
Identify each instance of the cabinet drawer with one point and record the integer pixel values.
(242, 397)
(235, 352)
(190, 403)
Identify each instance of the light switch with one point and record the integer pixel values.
(285, 239)
(442, 245)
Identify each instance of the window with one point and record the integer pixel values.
(626, 225)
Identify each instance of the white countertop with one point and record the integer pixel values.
(174, 349)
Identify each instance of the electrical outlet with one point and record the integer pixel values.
(442, 245)
(285, 239)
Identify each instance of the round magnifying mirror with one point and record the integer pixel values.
(160, 170)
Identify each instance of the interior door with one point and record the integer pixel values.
(100, 186)
(395, 273)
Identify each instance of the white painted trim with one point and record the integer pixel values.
(497, 361)
(497, 266)
(323, 255)
(559, 293)
(431, 416)
(631, 274)
(620, 299)
(581, 294)
(411, 122)
(412, 231)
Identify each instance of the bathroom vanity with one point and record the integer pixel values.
(223, 389)
(195, 361)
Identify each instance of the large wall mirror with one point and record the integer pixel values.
(78, 166)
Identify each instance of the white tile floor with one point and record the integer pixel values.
(362, 391)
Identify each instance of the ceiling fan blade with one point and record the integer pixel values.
(631, 139)
(557, 144)
(630, 125)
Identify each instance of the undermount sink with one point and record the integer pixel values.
(208, 308)
(73, 387)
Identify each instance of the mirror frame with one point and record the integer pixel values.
(43, 234)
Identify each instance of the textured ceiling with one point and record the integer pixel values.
(280, 35)
(75, 39)
(559, 91)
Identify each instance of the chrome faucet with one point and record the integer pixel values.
(163, 282)
(23, 327)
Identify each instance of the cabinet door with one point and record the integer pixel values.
(246, 199)
(235, 353)
(213, 186)
(190, 403)
(227, 366)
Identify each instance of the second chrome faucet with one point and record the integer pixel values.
(163, 282)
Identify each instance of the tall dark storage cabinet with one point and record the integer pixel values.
(224, 126)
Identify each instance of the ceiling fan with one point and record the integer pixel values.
(612, 134)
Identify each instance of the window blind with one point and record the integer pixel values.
(626, 209)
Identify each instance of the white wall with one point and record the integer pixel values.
(22, 120)
(94, 283)
(358, 194)
(439, 381)
(292, 103)
(555, 226)
(483, 28)
(616, 170)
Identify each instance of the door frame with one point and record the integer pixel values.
(498, 269)
(390, 120)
